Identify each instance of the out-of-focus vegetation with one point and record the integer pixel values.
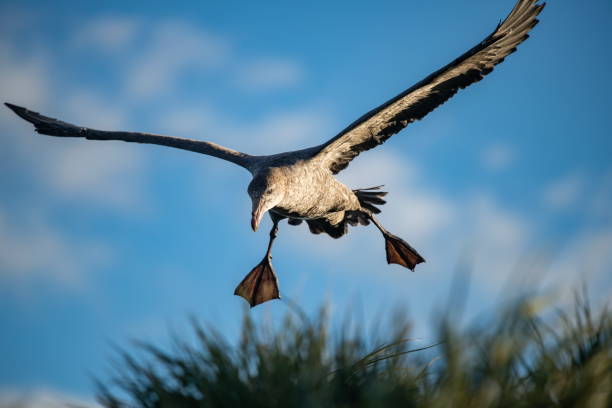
(527, 358)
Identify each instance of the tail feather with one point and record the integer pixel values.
(321, 225)
(370, 198)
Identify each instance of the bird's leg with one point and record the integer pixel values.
(398, 251)
(261, 284)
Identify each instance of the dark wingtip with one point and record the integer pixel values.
(14, 108)
(20, 111)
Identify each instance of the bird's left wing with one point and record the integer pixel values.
(378, 125)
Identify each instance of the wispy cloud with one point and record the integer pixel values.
(23, 78)
(285, 130)
(42, 398)
(31, 249)
(602, 197)
(269, 74)
(586, 259)
(412, 206)
(108, 34)
(153, 57)
(171, 49)
(280, 131)
(100, 174)
(90, 109)
(563, 192)
(105, 174)
(497, 157)
(108, 174)
(493, 237)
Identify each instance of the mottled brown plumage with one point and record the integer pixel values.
(300, 185)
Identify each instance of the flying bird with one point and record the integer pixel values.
(300, 185)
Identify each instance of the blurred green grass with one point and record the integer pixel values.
(522, 359)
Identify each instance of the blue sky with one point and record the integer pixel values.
(101, 242)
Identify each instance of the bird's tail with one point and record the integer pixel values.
(370, 198)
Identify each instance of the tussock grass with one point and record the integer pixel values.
(522, 360)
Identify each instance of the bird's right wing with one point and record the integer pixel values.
(378, 125)
(53, 127)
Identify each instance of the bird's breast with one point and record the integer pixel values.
(312, 192)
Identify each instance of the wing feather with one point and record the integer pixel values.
(378, 125)
(53, 127)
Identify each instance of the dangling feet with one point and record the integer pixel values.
(401, 253)
(398, 251)
(260, 285)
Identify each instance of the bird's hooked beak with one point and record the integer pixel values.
(259, 209)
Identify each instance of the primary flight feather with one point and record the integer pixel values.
(299, 185)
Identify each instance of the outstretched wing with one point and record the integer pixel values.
(378, 125)
(54, 127)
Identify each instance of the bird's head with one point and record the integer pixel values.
(265, 194)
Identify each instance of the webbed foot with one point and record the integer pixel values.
(260, 285)
(400, 252)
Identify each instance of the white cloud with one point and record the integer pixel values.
(104, 174)
(42, 398)
(602, 197)
(32, 249)
(591, 254)
(282, 131)
(492, 223)
(88, 109)
(275, 133)
(269, 73)
(497, 157)
(107, 174)
(377, 167)
(423, 214)
(23, 78)
(498, 239)
(171, 49)
(197, 122)
(411, 206)
(109, 34)
(564, 192)
(154, 56)
(587, 259)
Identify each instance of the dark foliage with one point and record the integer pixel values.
(522, 360)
